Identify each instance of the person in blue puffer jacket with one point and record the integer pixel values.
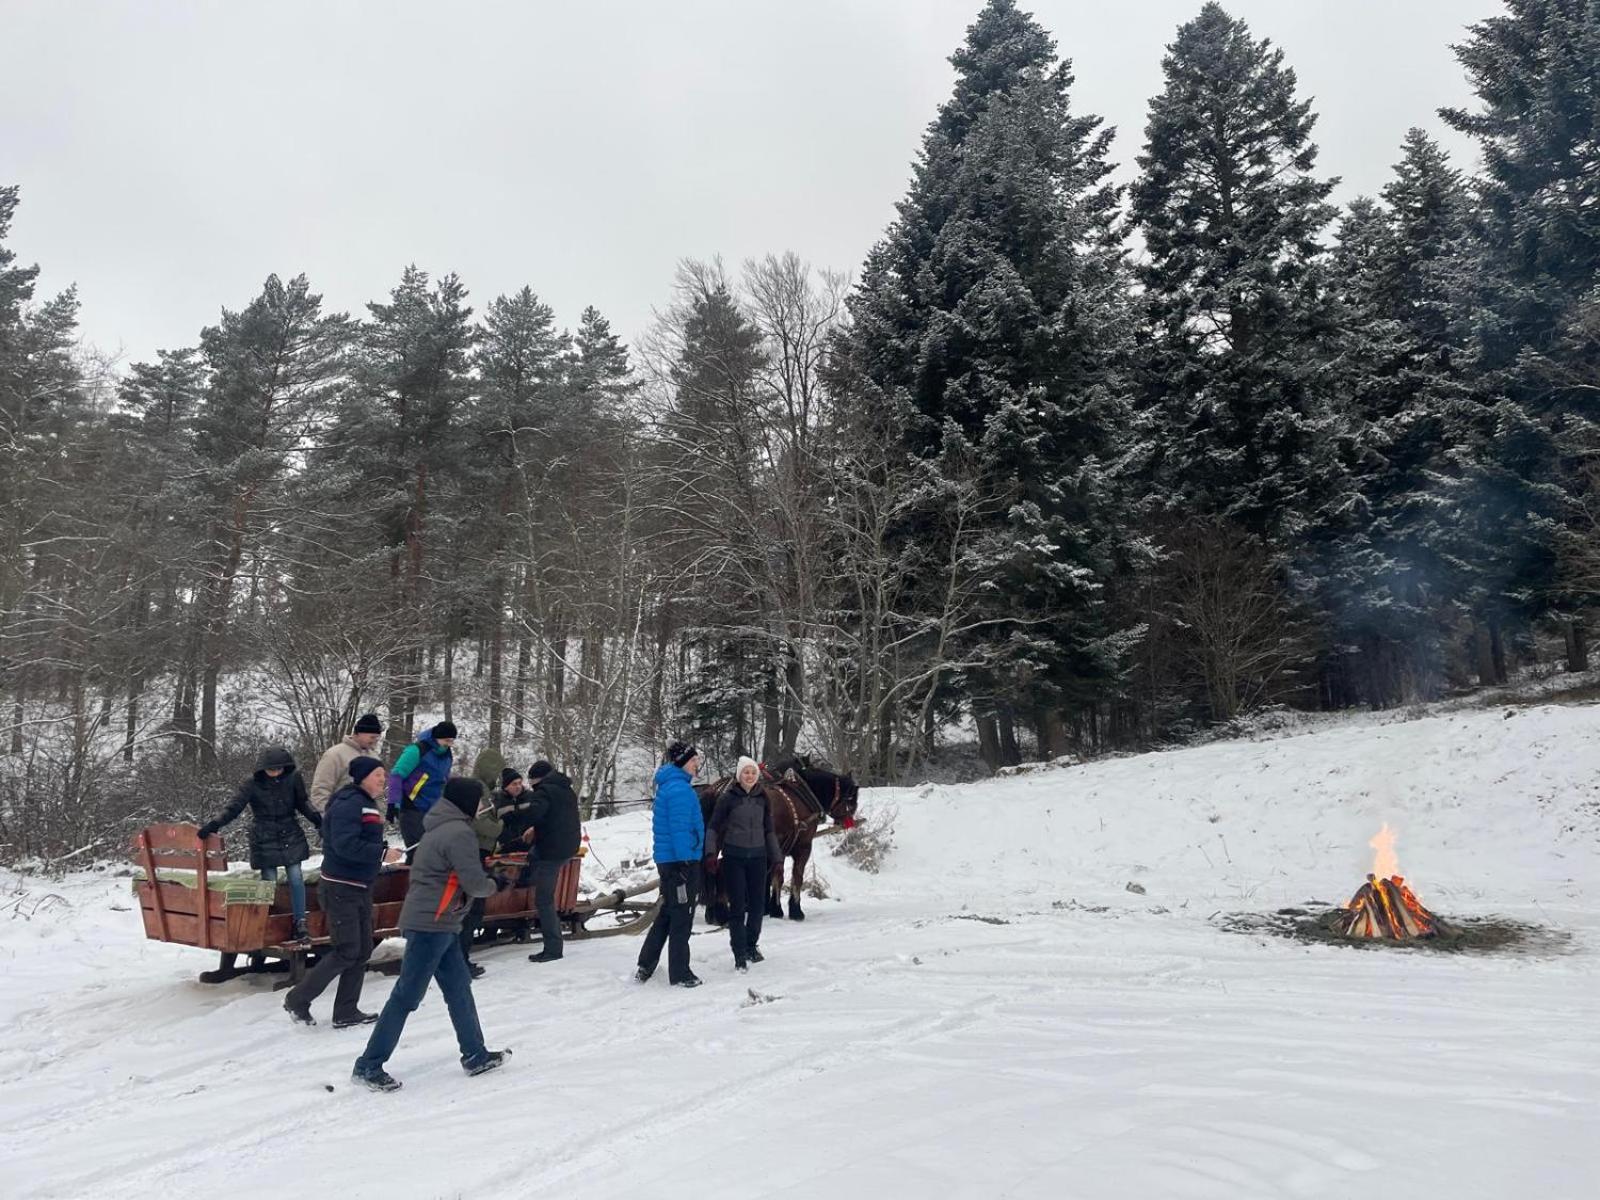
(418, 779)
(680, 838)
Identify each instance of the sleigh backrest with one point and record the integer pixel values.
(178, 848)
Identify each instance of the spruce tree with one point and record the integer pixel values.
(710, 480)
(1536, 318)
(993, 315)
(1394, 571)
(1230, 208)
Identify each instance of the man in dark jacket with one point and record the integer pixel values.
(352, 854)
(445, 877)
(680, 834)
(741, 828)
(274, 794)
(553, 834)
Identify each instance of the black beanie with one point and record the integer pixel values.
(509, 775)
(464, 792)
(681, 752)
(369, 723)
(444, 729)
(540, 769)
(362, 766)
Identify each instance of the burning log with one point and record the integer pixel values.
(1384, 907)
(1387, 908)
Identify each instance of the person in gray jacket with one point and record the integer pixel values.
(446, 876)
(741, 827)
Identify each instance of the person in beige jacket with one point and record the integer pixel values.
(334, 765)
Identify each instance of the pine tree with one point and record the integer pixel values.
(1393, 570)
(272, 367)
(1230, 209)
(407, 437)
(1536, 319)
(994, 316)
(519, 362)
(156, 469)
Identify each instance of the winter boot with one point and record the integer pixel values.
(544, 956)
(642, 975)
(356, 1018)
(691, 981)
(377, 1079)
(756, 955)
(298, 1014)
(488, 1062)
(302, 935)
(478, 970)
(741, 964)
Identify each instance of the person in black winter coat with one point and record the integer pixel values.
(741, 828)
(552, 833)
(352, 855)
(274, 794)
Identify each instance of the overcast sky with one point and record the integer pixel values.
(172, 155)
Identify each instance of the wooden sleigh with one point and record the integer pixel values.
(187, 896)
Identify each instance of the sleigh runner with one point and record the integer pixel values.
(188, 896)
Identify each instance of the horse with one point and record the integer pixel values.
(801, 795)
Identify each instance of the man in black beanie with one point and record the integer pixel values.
(446, 875)
(352, 855)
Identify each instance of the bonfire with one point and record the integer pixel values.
(1384, 907)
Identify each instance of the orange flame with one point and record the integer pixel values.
(1385, 862)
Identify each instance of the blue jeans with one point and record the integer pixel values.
(297, 887)
(428, 956)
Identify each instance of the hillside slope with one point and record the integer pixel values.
(994, 1014)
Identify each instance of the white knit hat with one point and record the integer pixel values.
(746, 761)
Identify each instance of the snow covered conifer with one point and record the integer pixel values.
(994, 314)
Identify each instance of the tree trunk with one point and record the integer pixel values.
(771, 717)
(448, 689)
(496, 649)
(1482, 659)
(1006, 725)
(135, 687)
(1050, 732)
(794, 699)
(989, 740)
(1497, 651)
(208, 716)
(657, 718)
(556, 676)
(1577, 645)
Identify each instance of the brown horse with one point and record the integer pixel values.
(801, 796)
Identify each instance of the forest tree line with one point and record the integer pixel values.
(1087, 466)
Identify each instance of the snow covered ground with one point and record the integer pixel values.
(993, 1015)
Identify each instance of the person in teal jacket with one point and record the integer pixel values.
(680, 839)
(418, 780)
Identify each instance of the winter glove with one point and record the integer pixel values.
(392, 814)
(711, 864)
(206, 831)
(528, 836)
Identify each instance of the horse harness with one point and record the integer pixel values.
(813, 817)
